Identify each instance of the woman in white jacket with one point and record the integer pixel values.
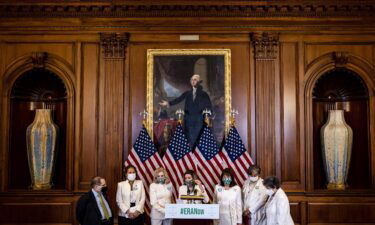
(254, 196)
(193, 187)
(130, 198)
(160, 195)
(277, 207)
(228, 196)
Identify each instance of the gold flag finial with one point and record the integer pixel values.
(144, 114)
(180, 114)
(233, 114)
(207, 113)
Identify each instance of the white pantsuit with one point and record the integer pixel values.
(125, 195)
(230, 205)
(255, 197)
(278, 209)
(160, 195)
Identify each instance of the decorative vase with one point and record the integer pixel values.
(41, 140)
(337, 139)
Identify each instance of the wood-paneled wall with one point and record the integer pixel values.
(271, 91)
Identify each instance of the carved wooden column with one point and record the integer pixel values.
(111, 107)
(265, 46)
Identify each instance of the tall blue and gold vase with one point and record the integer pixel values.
(41, 138)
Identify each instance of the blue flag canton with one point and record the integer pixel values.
(179, 145)
(144, 146)
(207, 144)
(234, 145)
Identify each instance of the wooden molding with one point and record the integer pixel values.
(207, 8)
(340, 58)
(114, 44)
(265, 45)
(38, 59)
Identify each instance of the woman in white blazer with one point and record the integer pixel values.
(277, 207)
(254, 196)
(160, 195)
(130, 199)
(193, 187)
(228, 196)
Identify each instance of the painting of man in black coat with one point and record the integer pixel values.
(93, 207)
(196, 100)
(191, 83)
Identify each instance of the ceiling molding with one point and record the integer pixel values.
(192, 8)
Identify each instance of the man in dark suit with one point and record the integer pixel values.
(93, 207)
(196, 100)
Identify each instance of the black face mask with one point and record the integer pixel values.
(104, 190)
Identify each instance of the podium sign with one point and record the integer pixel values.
(192, 211)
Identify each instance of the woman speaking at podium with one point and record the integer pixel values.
(160, 195)
(228, 196)
(192, 191)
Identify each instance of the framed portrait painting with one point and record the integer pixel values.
(191, 81)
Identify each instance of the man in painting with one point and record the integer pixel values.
(196, 100)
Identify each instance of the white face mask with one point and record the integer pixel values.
(269, 192)
(253, 179)
(131, 176)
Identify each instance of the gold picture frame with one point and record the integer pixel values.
(152, 53)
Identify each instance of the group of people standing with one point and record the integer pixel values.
(260, 202)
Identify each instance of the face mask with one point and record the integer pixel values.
(253, 179)
(104, 190)
(270, 192)
(227, 181)
(189, 183)
(131, 176)
(161, 180)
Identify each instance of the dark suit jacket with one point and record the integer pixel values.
(193, 117)
(88, 212)
(202, 101)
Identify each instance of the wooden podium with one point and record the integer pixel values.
(188, 214)
(192, 222)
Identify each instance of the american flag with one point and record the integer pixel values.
(236, 156)
(146, 159)
(209, 162)
(178, 158)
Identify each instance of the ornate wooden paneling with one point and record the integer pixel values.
(271, 75)
(36, 212)
(111, 113)
(314, 50)
(16, 49)
(266, 48)
(291, 159)
(89, 105)
(295, 211)
(341, 212)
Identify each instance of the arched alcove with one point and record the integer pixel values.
(343, 89)
(332, 77)
(36, 89)
(32, 81)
